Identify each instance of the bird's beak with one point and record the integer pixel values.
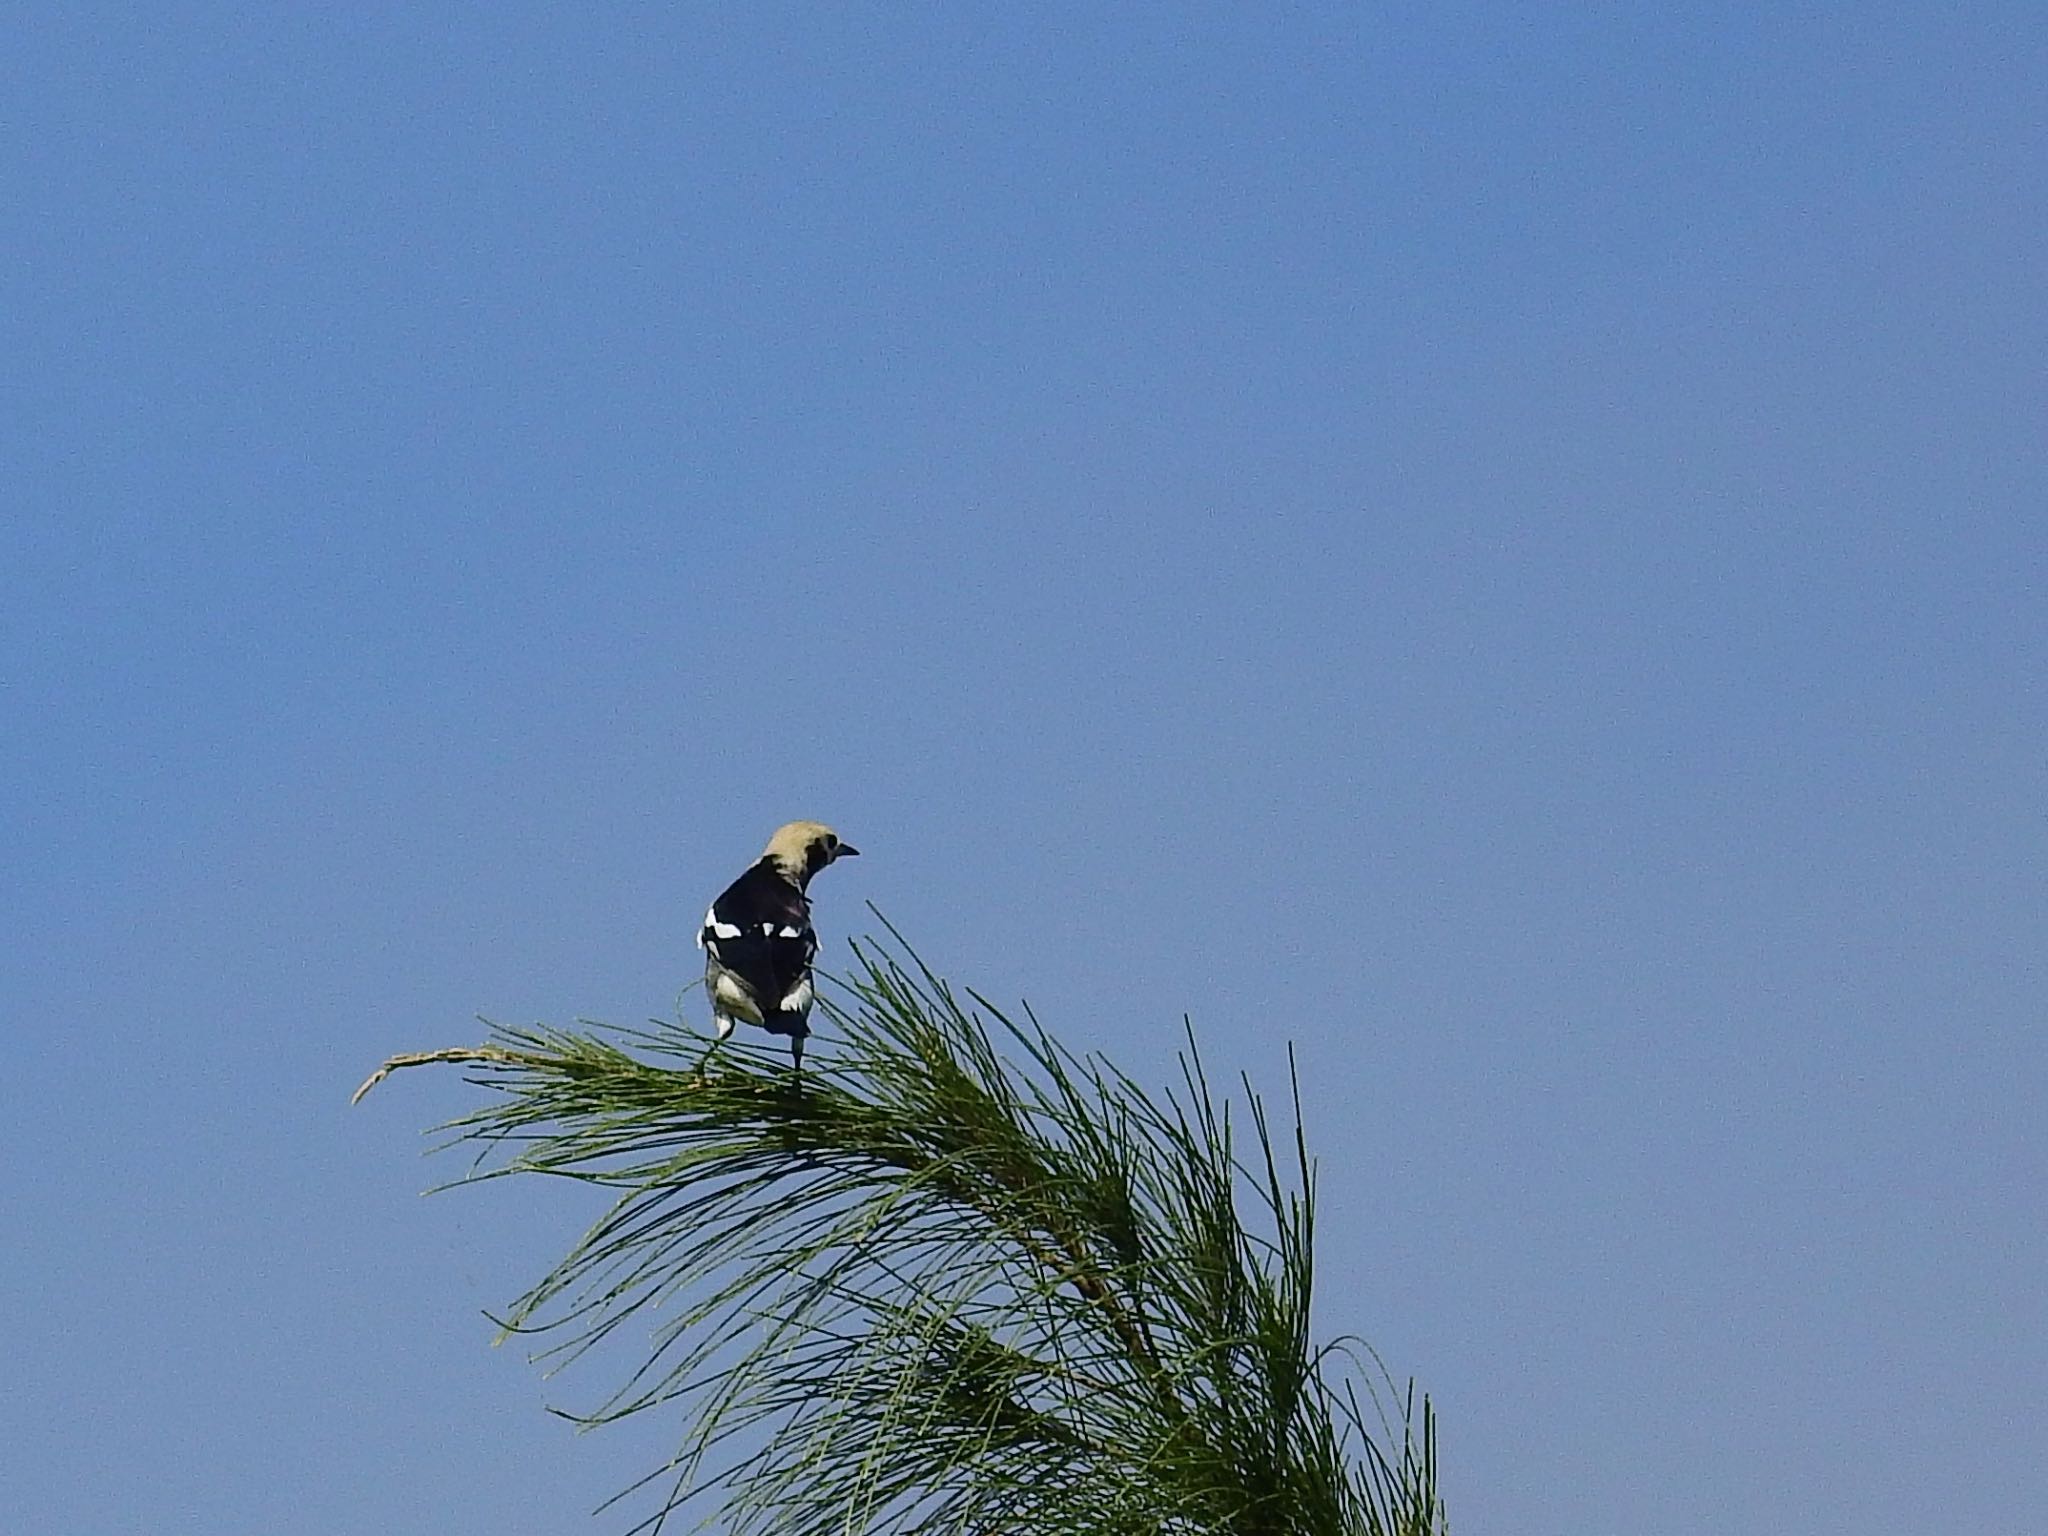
(844, 850)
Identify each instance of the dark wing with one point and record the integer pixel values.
(759, 929)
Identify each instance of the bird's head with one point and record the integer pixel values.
(802, 848)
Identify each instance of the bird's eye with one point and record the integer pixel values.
(831, 841)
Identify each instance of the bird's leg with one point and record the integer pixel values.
(723, 1028)
(703, 1062)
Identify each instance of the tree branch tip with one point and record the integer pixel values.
(485, 1053)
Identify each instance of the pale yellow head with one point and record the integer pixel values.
(801, 848)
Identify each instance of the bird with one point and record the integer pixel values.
(758, 941)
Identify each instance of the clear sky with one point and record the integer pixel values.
(1502, 544)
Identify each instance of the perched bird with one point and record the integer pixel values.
(757, 938)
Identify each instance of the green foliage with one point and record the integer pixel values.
(930, 1287)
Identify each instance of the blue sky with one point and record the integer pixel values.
(1502, 545)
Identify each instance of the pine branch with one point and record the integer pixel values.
(469, 1053)
(928, 1287)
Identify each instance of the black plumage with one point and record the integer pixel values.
(758, 933)
(757, 937)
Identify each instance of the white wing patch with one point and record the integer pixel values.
(717, 929)
(792, 933)
(799, 999)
